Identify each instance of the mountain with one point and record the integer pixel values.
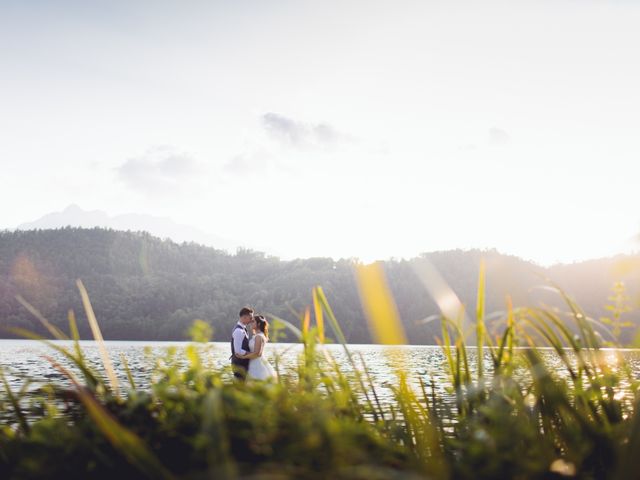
(162, 227)
(146, 288)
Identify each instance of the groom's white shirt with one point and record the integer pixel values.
(238, 337)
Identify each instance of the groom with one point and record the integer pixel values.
(240, 344)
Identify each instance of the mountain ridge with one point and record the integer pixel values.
(159, 226)
(145, 288)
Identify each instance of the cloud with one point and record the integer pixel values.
(291, 139)
(157, 170)
(300, 135)
(498, 137)
(248, 163)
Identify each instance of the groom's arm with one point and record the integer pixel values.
(238, 337)
(258, 350)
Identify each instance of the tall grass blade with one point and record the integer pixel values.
(543, 329)
(317, 309)
(306, 321)
(53, 330)
(480, 326)
(75, 335)
(97, 335)
(15, 403)
(90, 377)
(446, 347)
(379, 306)
(511, 322)
(288, 325)
(501, 358)
(333, 322)
(125, 364)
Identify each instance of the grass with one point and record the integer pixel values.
(515, 416)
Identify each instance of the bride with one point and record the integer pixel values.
(259, 368)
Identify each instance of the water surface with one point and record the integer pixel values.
(21, 359)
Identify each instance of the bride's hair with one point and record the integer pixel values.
(262, 325)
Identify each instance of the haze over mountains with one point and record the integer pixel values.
(162, 227)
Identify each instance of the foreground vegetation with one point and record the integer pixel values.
(514, 416)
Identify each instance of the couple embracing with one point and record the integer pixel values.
(246, 352)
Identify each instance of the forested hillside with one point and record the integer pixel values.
(142, 287)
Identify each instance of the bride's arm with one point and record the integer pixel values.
(259, 346)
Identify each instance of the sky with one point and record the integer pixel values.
(369, 129)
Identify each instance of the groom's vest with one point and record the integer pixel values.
(240, 362)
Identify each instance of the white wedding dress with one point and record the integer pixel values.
(259, 368)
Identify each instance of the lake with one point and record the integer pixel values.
(22, 359)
